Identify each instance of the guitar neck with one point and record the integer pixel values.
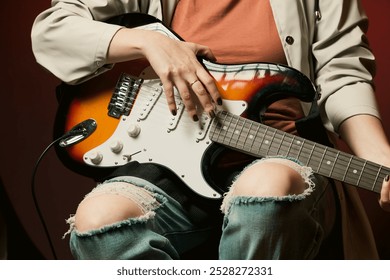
(260, 140)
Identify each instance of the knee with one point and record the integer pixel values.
(104, 207)
(273, 177)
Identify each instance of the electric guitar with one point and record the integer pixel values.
(122, 116)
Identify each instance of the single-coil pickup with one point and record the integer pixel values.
(174, 120)
(204, 124)
(152, 93)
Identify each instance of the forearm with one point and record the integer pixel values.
(365, 135)
(128, 44)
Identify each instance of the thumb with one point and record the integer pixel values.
(384, 200)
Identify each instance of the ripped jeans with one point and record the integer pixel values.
(288, 227)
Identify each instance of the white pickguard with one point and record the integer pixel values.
(176, 142)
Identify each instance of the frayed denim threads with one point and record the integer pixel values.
(304, 171)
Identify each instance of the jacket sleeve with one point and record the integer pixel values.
(344, 63)
(71, 40)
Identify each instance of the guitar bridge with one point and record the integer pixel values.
(125, 93)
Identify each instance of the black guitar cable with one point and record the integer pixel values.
(76, 134)
(33, 192)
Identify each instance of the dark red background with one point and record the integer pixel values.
(27, 116)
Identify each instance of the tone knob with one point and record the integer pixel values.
(116, 146)
(96, 157)
(134, 130)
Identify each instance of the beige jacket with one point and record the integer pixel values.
(73, 47)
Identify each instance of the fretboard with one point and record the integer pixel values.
(260, 140)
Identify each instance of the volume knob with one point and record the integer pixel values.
(134, 130)
(96, 157)
(116, 146)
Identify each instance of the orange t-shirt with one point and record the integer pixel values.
(238, 32)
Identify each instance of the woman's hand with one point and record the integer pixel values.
(176, 64)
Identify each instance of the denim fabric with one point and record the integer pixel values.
(290, 227)
(163, 234)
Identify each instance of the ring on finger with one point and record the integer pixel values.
(194, 82)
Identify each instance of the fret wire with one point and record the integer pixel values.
(334, 163)
(381, 176)
(238, 128)
(302, 153)
(330, 160)
(263, 138)
(311, 153)
(361, 173)
(255, 137)
(298, 145)
(234, 130)
(346, 170)
(231, 128)
(376, 177)
(223, 125)
(341, 167)
(300, 149)
(222, 134)
(322, 151)
(243, 135)
(280, 144)
(272, 140)
(248, 135)
(290, 145)
(323, 156)
(340, 172)
(357, 170)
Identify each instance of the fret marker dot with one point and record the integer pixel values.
(354, 171)
(266, 142)
(236, 132)
(224, 127)
(250, 136)
(298, 142)
(328, 162)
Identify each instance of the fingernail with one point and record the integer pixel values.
(219, 101)
(195, 118)
(387, 178)
(174, 112)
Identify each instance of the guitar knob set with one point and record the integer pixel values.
(116, 146)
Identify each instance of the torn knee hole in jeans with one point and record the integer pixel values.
(142, 197)
(305, 171)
